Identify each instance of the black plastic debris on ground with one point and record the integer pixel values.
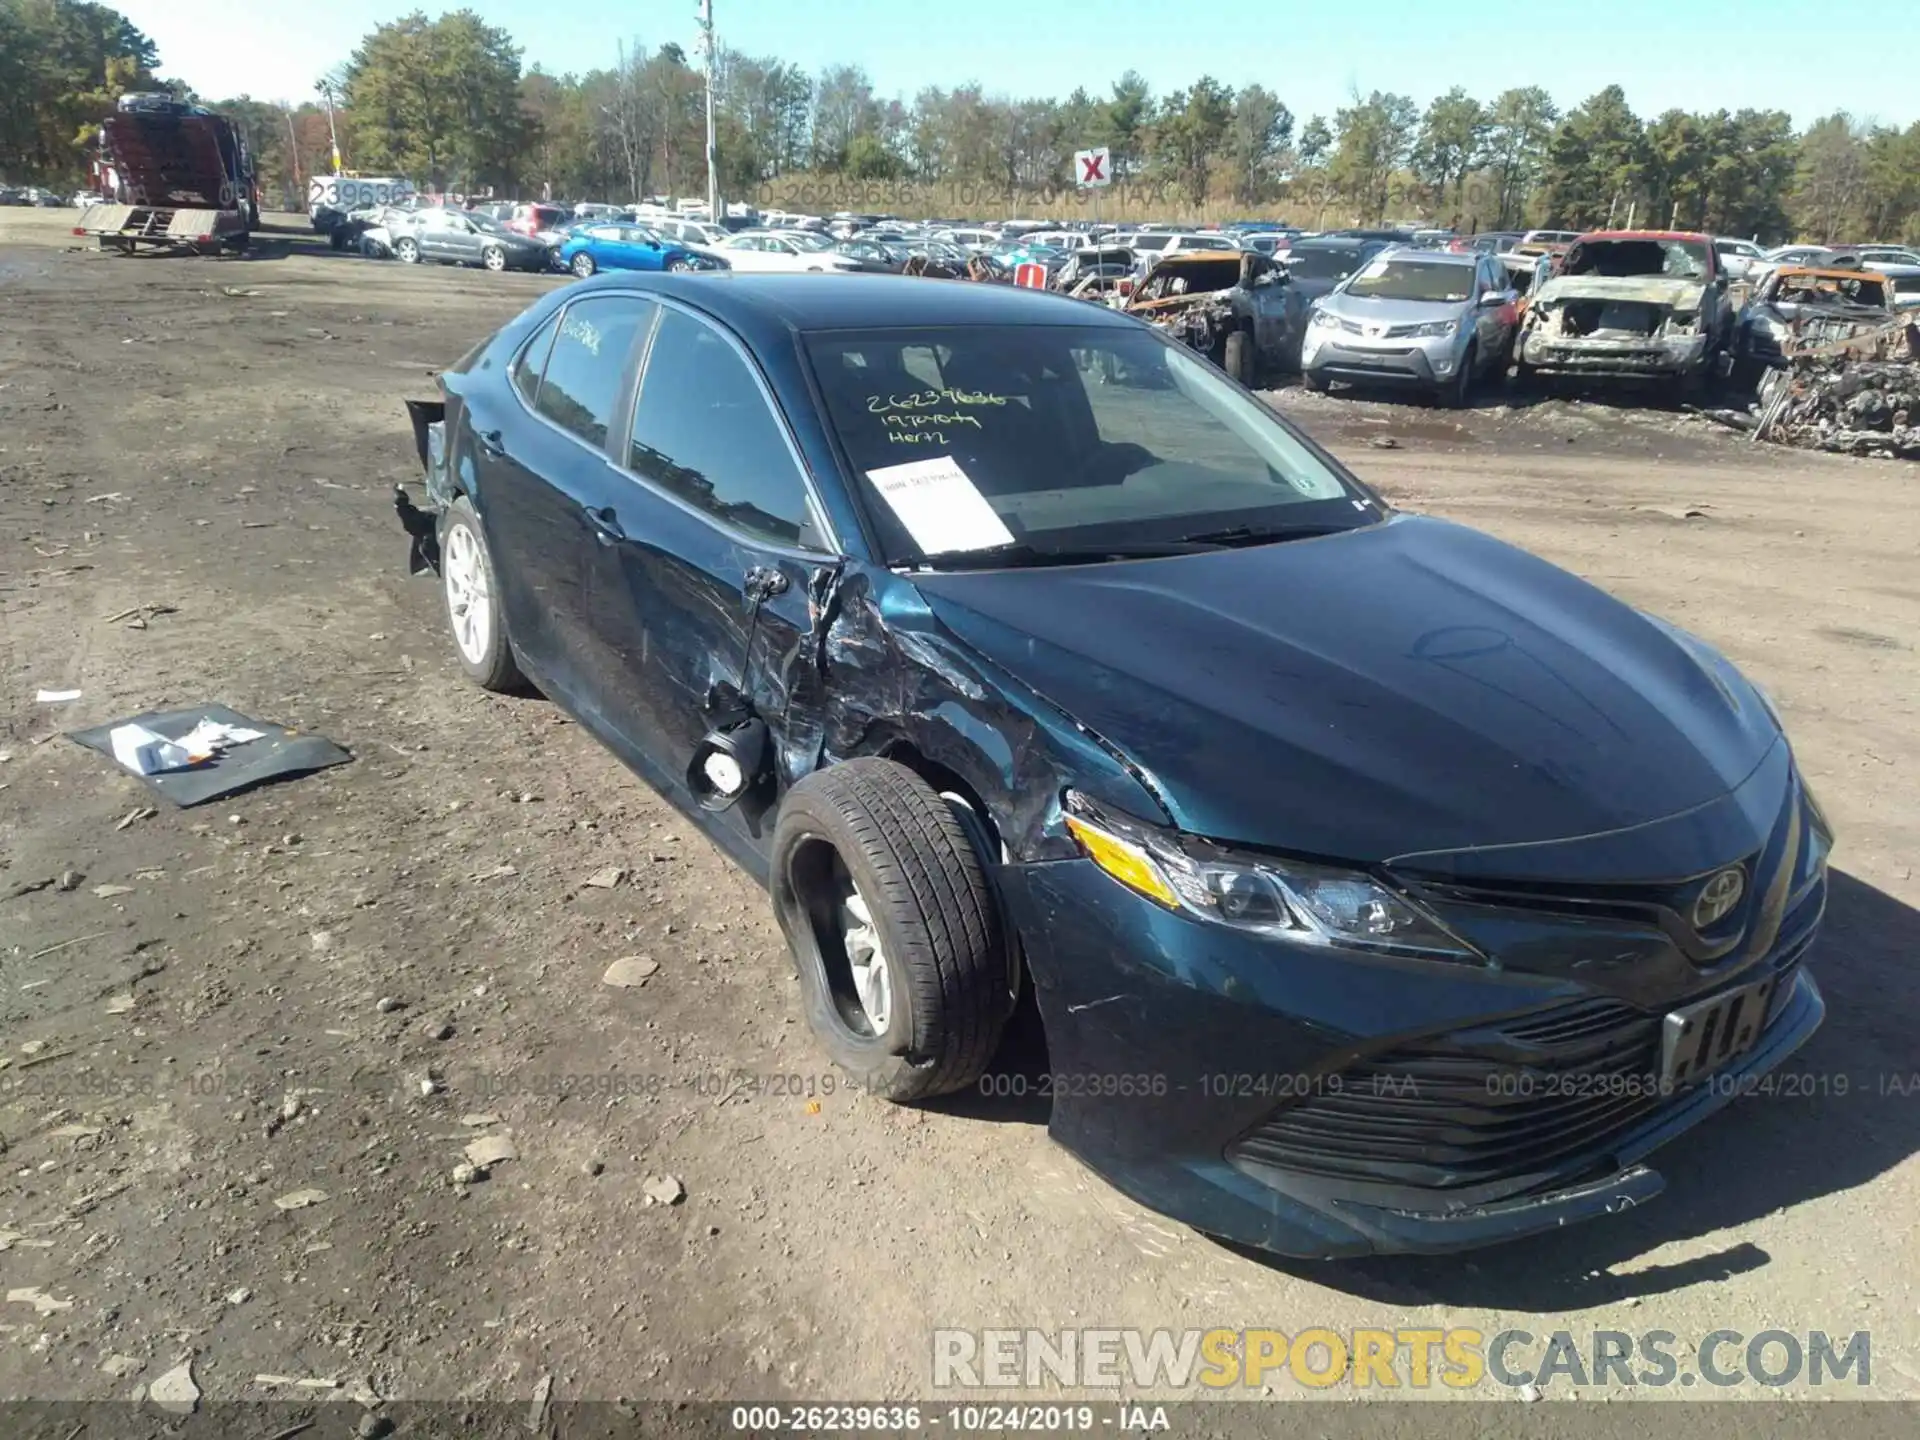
(278, 754)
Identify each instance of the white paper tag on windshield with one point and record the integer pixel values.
(942, 509)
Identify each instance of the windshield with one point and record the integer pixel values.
(1322, 262)
(1826, 290)
(1441, 284)
(1063, 439)
(1674, 259)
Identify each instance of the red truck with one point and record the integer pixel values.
(177, 176)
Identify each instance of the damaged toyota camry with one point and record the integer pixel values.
(1380, 886)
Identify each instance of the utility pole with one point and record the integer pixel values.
(714, 215)
(333, 132)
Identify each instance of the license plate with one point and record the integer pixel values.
(1698, 1039)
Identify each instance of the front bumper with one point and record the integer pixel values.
(1405, 362)
(1192, 1065)
(1636, 359)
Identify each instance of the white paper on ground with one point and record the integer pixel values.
(210, 737)
(56, 697)
(942, 509)
(146, 753)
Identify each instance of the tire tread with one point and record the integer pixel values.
(932, 882)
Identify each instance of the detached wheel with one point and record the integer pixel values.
(583, 265)
(473, 602)
(894, 927)
(1238, 361)
(407, 250)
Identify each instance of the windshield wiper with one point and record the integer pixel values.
(1019, 553)
(1243, 535)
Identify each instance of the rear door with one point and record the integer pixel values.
(721, 545)
(544, 480)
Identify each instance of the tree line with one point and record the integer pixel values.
(449, 103)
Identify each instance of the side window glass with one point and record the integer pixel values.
(533, 359)
(581, 383)
(704, 431)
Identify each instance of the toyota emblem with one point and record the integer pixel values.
(1718, 897)
(1376, 331)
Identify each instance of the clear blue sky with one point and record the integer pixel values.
(1699, 55)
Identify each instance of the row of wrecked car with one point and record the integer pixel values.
(1655, 307)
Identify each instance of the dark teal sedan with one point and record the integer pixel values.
(1374, 884)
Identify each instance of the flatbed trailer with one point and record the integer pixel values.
(199, 232)
(179, 178)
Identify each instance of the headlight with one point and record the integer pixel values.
(1321, 320)
(1441, 328)
(1313, 904)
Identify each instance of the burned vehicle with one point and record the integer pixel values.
(1527, 273)
(1098, 272)
(1229, 305)
(1630, 304)
(1798, 308)
(1393, 889)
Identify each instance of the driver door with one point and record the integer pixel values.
(715, 511)
(462, 240)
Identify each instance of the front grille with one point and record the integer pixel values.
(1509, 1100)
(1476, 1106)
(1579, 1021)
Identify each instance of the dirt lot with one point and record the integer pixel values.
(331, 984)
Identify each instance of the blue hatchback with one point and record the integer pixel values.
(614, 246)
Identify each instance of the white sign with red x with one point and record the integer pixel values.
(1092, 168)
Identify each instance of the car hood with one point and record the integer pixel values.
(1410, 686)
(1650, 289)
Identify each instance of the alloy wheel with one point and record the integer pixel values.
(469, 599)
(867, 959)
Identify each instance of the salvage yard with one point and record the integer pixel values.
(247, 1046)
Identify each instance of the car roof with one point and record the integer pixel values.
(762, 308)
(1420, 255)
(1593, 235)
(1800, 272)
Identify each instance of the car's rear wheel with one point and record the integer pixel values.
(473, 601)
(494, 258)
(583, 265)
(679, 266)
(892, 922)
(1238, 360)
(407, 250)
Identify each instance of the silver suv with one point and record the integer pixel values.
(1429, 318)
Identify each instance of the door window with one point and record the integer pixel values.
(580, 386)
(703, 430)
(526, 370)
